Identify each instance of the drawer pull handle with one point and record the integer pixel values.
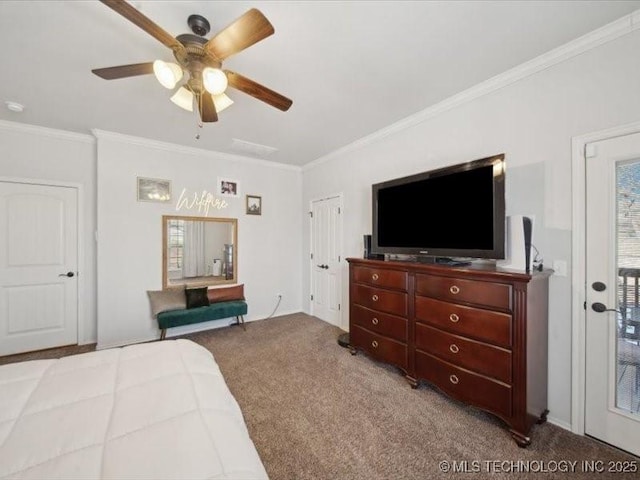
(454, 289)
(454, 318)
(374, 344)
(375, 276)
(374, 320)
(453, 379)
(374, 298)
(454, 348)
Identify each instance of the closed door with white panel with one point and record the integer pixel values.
(326, 239)
(38, 267)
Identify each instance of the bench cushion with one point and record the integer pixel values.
(176, 318)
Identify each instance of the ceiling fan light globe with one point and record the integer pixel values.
(214, 80)
(221, 102)
(183, 98)
(167, 73)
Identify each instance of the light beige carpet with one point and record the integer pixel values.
(316, 412)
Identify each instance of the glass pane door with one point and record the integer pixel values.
(628, 265)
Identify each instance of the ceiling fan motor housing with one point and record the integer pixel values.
(194, 52)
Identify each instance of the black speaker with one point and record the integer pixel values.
(526, 226)
(367, 249)
(367, 246)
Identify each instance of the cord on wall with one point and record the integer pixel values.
(537, 260)
(276, 307)
(274, 310)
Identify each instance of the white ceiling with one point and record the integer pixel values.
(351, 68)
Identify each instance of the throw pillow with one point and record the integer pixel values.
(165, 300)
(197, 297)
(226, 294)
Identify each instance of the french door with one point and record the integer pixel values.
(38, 267)
(326, 241)
(612, 394)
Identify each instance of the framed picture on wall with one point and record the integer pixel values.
(228, 187)
(153, 190)
(254, 205)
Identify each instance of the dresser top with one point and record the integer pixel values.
(475, 269)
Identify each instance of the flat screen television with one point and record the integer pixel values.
(456, 211)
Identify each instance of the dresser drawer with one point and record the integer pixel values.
(382, 300)
(380, 347)
(381, 277)
(494, 295)
(378, 322)
(464, 385)
(485, 325)
(477, 356)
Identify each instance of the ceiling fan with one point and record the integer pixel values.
(201, 60)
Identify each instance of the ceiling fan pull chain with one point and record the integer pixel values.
(199, 120)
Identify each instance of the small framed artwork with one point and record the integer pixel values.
(254, 205)
(228, 187)
(154, 190)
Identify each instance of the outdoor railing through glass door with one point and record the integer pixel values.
(628, 264)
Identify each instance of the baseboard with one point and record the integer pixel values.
(186, 330)
(279, 314)
(560, 423)
(104, 346)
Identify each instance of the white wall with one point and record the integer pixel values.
(130, 232)
(532, 122)
(37, 153)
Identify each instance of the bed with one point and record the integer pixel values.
(159, 410)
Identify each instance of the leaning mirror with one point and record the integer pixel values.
(198, 251)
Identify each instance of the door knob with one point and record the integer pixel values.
(601, 307)
(598, 286)
(68, 274)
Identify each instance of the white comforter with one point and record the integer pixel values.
(158, 410)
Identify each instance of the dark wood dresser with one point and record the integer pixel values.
(478, 333)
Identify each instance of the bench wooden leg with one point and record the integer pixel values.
(240, 319)
(163, 333)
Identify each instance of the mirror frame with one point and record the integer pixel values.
(186, 282)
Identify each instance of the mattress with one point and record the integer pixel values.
(159, 411)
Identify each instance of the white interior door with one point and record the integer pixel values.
(326, 238)
(612, 400)
(38, 267)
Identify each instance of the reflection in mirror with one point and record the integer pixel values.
(198, 251)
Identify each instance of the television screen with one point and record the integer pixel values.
(456, 211)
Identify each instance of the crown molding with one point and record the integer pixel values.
(45, 132)
(175, 148)
(591, 40)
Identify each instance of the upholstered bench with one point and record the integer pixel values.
(179, 306)
(215, 311)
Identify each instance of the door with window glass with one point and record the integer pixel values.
(612, 402)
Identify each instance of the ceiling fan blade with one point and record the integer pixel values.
(123, 71)
(207, 108)
(258, 91)
(136, 17)
(250, 28)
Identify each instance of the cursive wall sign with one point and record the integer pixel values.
(202, 202)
